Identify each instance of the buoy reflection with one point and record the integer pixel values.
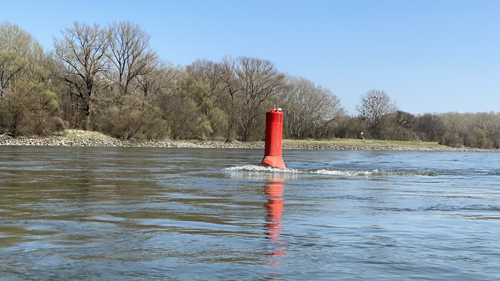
(274, 224)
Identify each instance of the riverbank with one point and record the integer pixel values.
(61, 141)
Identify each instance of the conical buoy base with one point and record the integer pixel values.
(273, 161)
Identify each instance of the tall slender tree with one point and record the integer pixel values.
(130, 54)
(82, 55)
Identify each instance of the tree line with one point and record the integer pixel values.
(384, 120)
(109, 79)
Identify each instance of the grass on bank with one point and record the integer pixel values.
(82, 134)
(358, 142)
(363, 142)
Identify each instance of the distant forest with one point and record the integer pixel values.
(109, 79)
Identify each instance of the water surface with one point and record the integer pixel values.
(77, 213)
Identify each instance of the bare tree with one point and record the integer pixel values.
(309, 109)
(82, 56)
(130, 54)
(160, 81)
(376, 108)
(256, 81)
(487, 122)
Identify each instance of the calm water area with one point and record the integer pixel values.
(82, 213)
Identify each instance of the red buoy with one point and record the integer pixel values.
(274, 131)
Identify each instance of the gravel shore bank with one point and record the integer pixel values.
(6, 140)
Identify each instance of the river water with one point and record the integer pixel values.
(79, 213)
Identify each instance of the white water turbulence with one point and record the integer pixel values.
(265, 170)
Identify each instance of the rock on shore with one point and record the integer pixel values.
(54, 141)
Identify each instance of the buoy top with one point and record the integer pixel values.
(274, 116)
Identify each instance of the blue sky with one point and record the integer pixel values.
(429, 56)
